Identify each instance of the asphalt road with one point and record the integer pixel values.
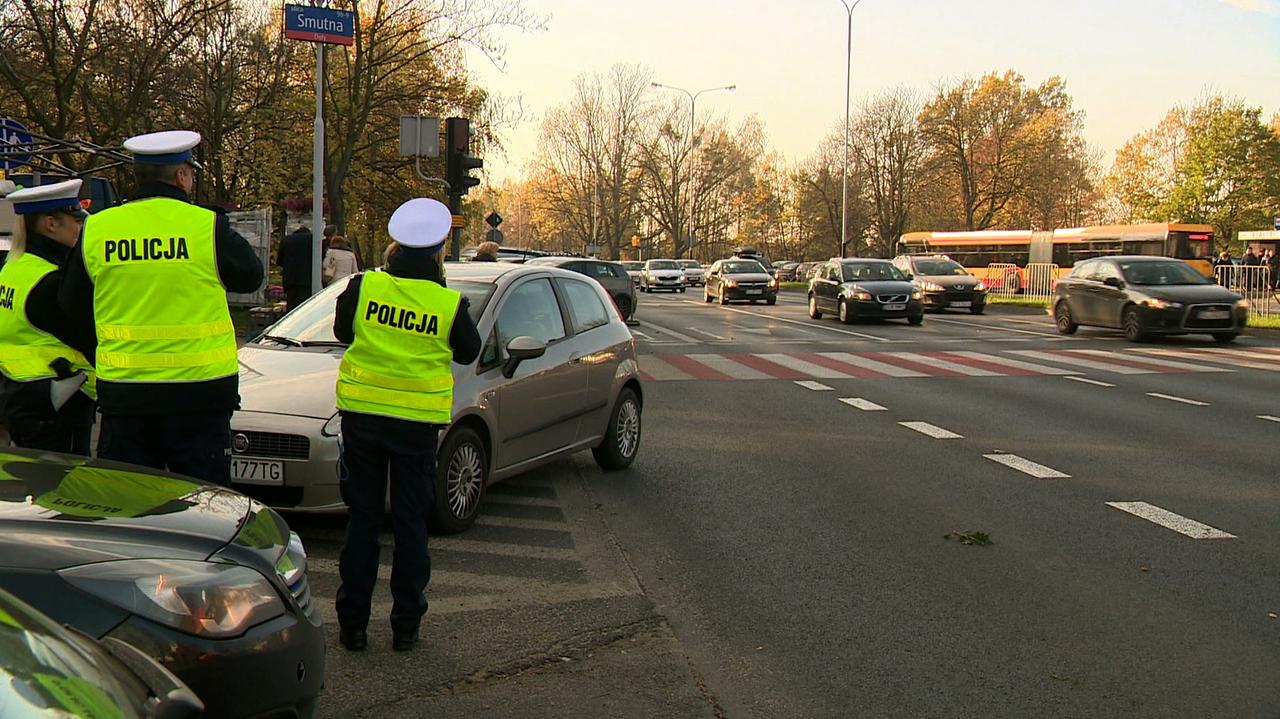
(975, 517)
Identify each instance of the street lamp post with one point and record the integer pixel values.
(693, 101)
(844, 176)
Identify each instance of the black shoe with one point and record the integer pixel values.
(353, 639)
(404, 641)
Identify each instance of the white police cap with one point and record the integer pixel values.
(60, 196)
(420, 222)
(171, 147)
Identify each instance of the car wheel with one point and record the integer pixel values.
(624, 306)
(814, 312)
(681, 290)
(724, 297)
(1132, 323)
(1012, 283)
(771, 301)
(1062, 318)
(1225, 338)
(622, 438)
(461, 474)
(845, 316)
(977, 309)
(916, 320)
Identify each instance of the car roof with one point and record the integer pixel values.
(1135, 258)
(859, 259)
(479, 271)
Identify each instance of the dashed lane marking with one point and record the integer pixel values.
(815, 386)
(863, 404)
(1268, 418)
(1086, 380)
(1026, 466)
(931, 430)
(1169, 520)
(1183, 400)
(712, 335)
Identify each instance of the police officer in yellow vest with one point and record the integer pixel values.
(395, 392)
(154, 273)
(45, 357)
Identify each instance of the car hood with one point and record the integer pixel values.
(58, 511)
(750, 277)
(297, 382)
(693, 270)
(950, 282)
(881, 287)
(1188, 294)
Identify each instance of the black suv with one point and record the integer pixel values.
(943, 283)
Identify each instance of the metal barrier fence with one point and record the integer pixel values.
(254, 226)
(1256, 284)
(1041, 278)
(1036, 281)
(1003, 279)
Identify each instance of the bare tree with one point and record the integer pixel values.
(892, 150)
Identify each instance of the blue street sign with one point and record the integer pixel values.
(319, 24)
(13, 136)
(1276, 222)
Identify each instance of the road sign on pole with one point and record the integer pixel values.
(13, 138)
(319, 24)
(493, 220)
(419, 136)
(1276, 223)
(494, 235)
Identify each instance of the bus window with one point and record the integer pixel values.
(1151, 248)
(1190, 245)
(1062, 256)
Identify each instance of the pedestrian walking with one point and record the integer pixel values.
(1272, 262)
(47, 384)
(339, 261)
(154, 274)
(486, 252)
(294, 260)
(395, 392)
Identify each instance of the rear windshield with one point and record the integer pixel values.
(742, 267)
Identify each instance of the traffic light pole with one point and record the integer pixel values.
(455, 235)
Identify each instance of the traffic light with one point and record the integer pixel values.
(459, 163)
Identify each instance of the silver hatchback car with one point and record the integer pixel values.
(557, 375)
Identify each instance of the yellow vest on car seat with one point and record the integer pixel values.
(25, 350)
(400, 362)
(159, 305)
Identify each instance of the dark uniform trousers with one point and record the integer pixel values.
(68, 431)
(197, 444)
(375, 448)
(295, 295)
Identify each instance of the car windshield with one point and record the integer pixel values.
(1161, 273)
(742, 267)
(871, 271)
(633, 265)
(311, 325)
(939, 267)
(689, 264)
(663, 265)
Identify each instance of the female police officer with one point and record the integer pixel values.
(395, 392)
(45, 357)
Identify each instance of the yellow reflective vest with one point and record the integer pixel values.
(159, 306)
(400, 362)
(27, 351)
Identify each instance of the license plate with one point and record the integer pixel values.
(966, 303)
(257, 471)
(1213, 314)
(755, 292)
(894, 307)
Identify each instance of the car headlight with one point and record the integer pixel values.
(916, 295)
(204, 599)
(773, 283)
(860, 295)
(332, 428)
(980, 287)
(730, 283)
(931, 287)
(1156, 303)
(1242, 303)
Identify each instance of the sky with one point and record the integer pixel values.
(1125, 62)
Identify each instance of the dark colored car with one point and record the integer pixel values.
(856, 288)
(733, 279)
(207, 581)
(611, 275)
(787, 271)
(750, 253)
(944, 283)
(1145, 296)
(53, 671)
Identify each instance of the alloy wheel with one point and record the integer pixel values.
(628, 428)
(465, 480)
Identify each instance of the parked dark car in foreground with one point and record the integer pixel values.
(611, 275)
(856, 288)
(207, 581)
(737, 280)
(1145, 296)
(943, 283)
(52, 671)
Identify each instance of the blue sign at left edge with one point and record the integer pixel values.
(13, 137)
(319, 24)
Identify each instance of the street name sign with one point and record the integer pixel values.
(1256, 235)
(319, 24)
(13, 138)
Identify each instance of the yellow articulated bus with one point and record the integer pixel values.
(1013, 250)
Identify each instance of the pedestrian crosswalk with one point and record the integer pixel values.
(800, 366)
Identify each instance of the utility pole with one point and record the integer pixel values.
(693, 101)
(844, 176)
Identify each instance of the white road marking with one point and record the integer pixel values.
(931, 430)
(1160, 362)
(809, 368)
(1016, 364)
(712, 335)
(1169, 520)
(1026, 466)
(993, 327)
(815, 386)
(866, 405)
(1086, 380)
(641, 335)
(945, 365)
(788, 320)
(1269, 418)
(881, 367)
(1081, 362)
(724, 365)
(653, 366)
(1203, 355)
(673, 333)
(1183, 400)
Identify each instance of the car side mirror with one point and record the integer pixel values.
(909, 276)
(1115, 282)
(520, 349)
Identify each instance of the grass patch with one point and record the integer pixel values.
(1269, 322)
(794, 286)
(1017, 301)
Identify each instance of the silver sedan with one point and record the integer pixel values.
(557, 375)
